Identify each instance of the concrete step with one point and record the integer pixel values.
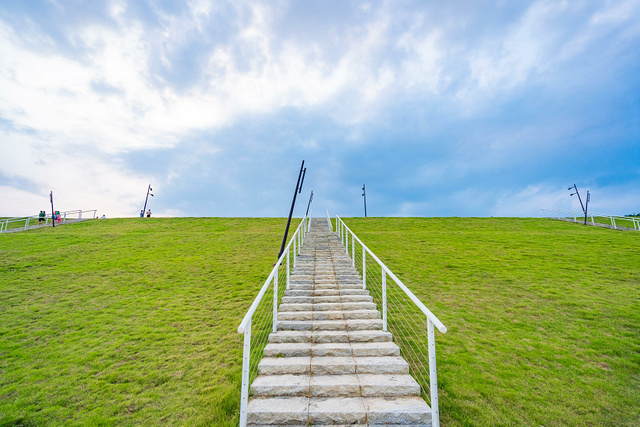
(370, 349)
(331, 325)
(328, 315)
(338, 411)
(324, 292)
(366, 385)
(326, 299)
(328, 307)
(332, 365)
(329, 337)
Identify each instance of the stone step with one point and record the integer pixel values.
(329, 336)
(332, 365)
(328, 306)
(365, 385)
(325, 286)
(328, 315)
(327, 299)
(338, 411)
(324, 292)
(330, 325)
(364, 349)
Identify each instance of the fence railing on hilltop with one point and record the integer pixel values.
(24, 223)
(403, 314)
(612, 219)
(262, 317)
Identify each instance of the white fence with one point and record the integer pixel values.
(262, 317)
(579, 216)
(23, 223)
(403, 314)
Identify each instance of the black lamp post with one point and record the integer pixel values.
(149, 190)
(303, 172)
(53, 213)
(309, 204)
(364, 194)
(584, 207)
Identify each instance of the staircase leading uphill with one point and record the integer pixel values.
(330, 361)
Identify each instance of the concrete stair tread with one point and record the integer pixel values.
(347, 385)
(330, 325)
(332, 365)
(328, 315)
(329, 336)
(338, 411)
(373, 349)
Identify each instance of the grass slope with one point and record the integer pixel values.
(132, 322)
(128, 322)
(543, 316)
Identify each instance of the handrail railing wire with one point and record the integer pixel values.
(578, 214)
(24, 223)
(403, 314)
(262, 317)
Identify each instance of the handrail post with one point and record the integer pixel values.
(364, 268)
(294, 251)
(433, 374)
(287, 268)
(275, 299)
(26, 223)
(246, 360)
(384, 299)
(64, 218)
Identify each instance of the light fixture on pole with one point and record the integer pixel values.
(584, 207)
(364, 194)
(149, 190)
(309, 204)
(53, 213)
(303, 171)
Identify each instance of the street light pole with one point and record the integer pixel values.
(149, 189)
(293, 204)
(309, 204)
(53, 213)
(584, 208)
(364, 194)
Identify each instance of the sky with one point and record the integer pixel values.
(460, 108)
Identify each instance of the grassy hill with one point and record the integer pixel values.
(133, 322)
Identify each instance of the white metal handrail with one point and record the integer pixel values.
(297, 240)
(66, 215)
(329, 221)
(346, 234)
(579, 214)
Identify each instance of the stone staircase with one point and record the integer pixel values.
(330, 363)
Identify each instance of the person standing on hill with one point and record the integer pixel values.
(41, 217)
(141, 213)
(149, 213)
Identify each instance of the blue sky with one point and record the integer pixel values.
(456, 108)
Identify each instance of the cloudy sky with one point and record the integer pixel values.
(476, 108)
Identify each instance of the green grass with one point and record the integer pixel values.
(128, 322)
(133, 322)
(543, 316)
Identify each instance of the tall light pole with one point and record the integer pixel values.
(364, 194)
(53, 213)
(149, 190)
(309, 204)
(584, 207)
(303, 171)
